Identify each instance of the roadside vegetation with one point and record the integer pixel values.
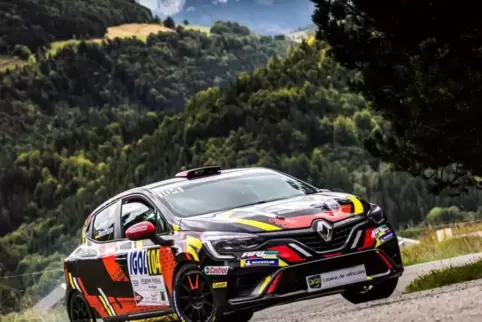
(446, 276)
(430, 249)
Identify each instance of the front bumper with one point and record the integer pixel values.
(260, 287)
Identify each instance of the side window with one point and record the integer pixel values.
(104, 224)
(135, 211)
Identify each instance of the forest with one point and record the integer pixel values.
(97, 119)
(69, 116)
(36, 23)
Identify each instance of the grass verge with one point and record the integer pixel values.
(431, 250)
(446, 276)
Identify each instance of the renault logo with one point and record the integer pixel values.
(325, 230)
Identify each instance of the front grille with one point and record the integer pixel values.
(294, 279)
(315, 242)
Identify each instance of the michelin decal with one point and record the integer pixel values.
(145, 273)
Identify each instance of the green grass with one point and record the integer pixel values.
(430, 250)
(446, 276)
(198, 28)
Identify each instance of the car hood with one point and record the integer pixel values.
(291, 213)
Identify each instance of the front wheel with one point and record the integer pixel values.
(192, 296)
(375, 292)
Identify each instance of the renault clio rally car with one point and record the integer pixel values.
(212, 244)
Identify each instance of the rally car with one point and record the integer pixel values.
(212, 244)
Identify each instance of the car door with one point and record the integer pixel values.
(141, 261)
(97, 273)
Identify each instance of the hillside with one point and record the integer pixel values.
(69, 119)
(35, 24)
(296, 115)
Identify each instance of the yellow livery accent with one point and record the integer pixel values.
(256, 224)
(248, 222)
(138, 243)
(192, 244)
(106, 307)
(282, 263)
(71, 281)
(265, 283)
(356, 204)
(176, 228)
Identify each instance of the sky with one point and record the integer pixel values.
(262, 16)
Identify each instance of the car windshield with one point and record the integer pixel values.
(214, 194)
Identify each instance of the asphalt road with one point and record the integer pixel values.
(460, 302)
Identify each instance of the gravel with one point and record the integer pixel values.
(458, 302)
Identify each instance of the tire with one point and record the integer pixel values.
(241, 316)
(79, 309)
(192, 296)
(378, 291)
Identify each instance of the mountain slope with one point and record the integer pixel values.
(67, 121)
(36, 24)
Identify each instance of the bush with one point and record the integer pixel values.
(22, 52)
(446, 276)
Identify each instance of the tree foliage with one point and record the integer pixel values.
(420, 62)
(296, 114)
(36, 23)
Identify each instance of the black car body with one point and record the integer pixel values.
(209, 243)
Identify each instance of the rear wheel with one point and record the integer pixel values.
(192, 296)
(369, 293)
(79, 309)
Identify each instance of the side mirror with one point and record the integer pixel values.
(142, 230)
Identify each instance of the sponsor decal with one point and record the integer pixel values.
(383, 234)
(261, 254)
(216, 270)
(145, 262)
(138, 298)
(220, 284)
(259, 262)
(314, 281)
(387, 237)
(380, 231)
(336, 278)
(138, 228)
(144, 269)
(171, 191)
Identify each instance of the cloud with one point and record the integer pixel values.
(164, 7)
(271, 29)
(190, 9)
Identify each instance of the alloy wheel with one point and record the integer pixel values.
(195, 298)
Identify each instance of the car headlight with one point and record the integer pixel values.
(376, 214)
(226, 242)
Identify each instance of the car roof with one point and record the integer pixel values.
(173, 181)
